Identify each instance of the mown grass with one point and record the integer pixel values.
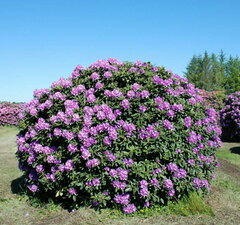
(230, 152)
(222, 206)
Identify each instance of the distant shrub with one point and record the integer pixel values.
(213, 99)
(125, 135)
(230, 118)
(9, 114)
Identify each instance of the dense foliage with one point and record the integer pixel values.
(125, 135)
(9, 114)
(230, 118)
(214, 72)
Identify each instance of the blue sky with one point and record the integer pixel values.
(41, 41)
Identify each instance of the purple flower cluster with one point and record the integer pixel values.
(198, 183)
(122, 199)
(148, 132)
(143, 188)
(129, 209)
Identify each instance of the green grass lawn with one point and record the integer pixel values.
(227, 149)
(221, 206)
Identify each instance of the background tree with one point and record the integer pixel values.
(232, 81)
(214, 73)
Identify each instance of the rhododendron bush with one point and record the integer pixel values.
(125, 135)
(9, 114)
(213, 99)
(230, 118)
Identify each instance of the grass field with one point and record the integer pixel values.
(221, 206)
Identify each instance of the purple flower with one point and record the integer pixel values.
(178, 151)
(68, 134)
(99, 85)
(72, 148)
(95, 203)
(51, 159)
(95, 76)
(155, 182)
(42, 125)
(158, 100)
(146, 204)
(167, 124)
(92, 163)
(118, 184)
(69, 165)
(91, 98)
(128, 162)
(129, 209)
(61, 168)
(116, 93)
(197, 183)
(181, 173)
(144, 192)
(130, 94)
(107, 141)
(143, 184)
(125, 104)
(135, 86)
(191, 162)
(145, 94)
(188, 122)
(33, 187)
(132, 69)
(39, 168)
(168, 184)
(122, 199)
(113, 173)
(72, 191)
(50, 177)
(107, 74)
(172, 167)
(142, 108)
(111, 157)
(71, 104)
(171, 193)
(96, 182)
(122, 174)
(157, 171)
(170, 113)
(177, 107)
(101, 115)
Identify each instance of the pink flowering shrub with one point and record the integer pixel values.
(213, 99)
(126, 135)
(230, 118)
(9, 114)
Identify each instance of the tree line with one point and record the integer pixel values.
(213, 72)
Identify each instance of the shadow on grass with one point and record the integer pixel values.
(17, 185)
(235, 150)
